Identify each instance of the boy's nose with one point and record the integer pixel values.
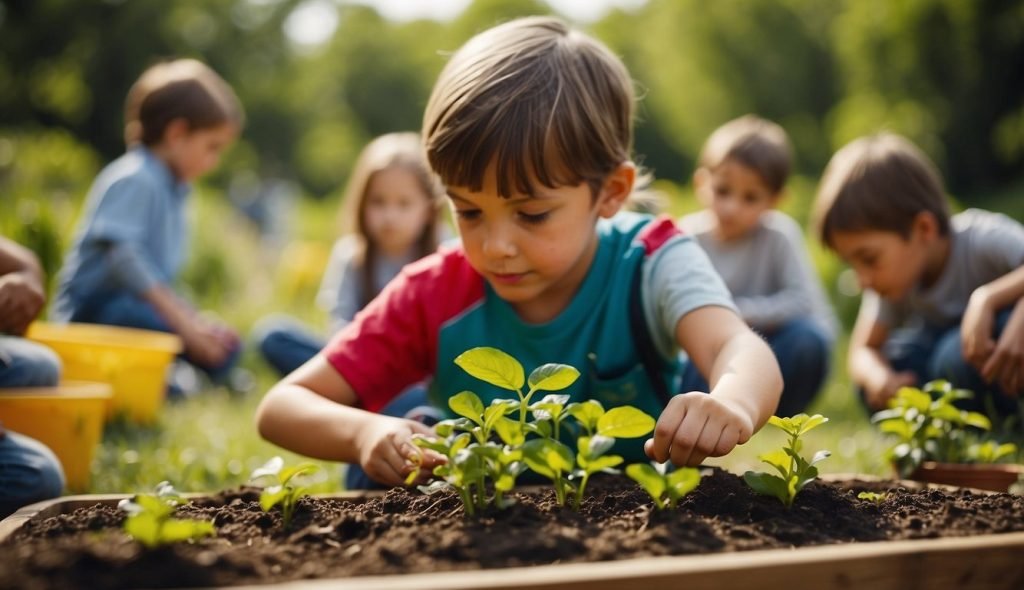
(864, 279)
(498, 242)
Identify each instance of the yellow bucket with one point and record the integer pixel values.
(67, 418)
(134, 362)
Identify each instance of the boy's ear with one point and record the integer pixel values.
(616, 189)
(925, 225)
(176, 129)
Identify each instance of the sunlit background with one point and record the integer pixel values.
(319, 78)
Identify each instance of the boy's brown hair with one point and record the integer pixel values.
(540, 100)
(756, 143)
(179, 89)
(880, 182)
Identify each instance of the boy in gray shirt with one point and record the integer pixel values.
(760, 252)
(942, 292)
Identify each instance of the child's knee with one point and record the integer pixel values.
(28, 364)
(31, 471)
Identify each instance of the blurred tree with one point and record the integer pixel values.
(942, 73)
(705, 63)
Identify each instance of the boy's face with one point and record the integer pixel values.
(535, 251)
(736, 195)
(193, 153)
(884, 261)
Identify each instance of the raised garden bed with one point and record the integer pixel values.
(721, 535)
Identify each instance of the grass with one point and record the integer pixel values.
(209, 442)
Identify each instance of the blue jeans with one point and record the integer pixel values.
(411, 404)
(29, 472)
(24, 363)
(803, 351)
(285, 343)
(937, 353)
(129, 311)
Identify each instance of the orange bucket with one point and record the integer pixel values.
(134, 362)
(67, 418)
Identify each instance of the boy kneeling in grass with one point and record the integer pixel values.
(941, 293)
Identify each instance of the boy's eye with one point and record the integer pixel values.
(534, 218)
(467, 214)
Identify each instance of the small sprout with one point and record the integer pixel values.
(486, 450)
(990, 451)
(665, 489)
(501, 370)
(151, 520)
(283, 490)
(874, 497)
(928, 426)
(622, 422)
(795, 472)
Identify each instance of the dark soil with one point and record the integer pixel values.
(404, 532)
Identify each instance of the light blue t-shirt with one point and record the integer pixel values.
(133, 235)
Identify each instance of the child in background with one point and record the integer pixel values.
(392, 205)
(29, 471)
(759, 251)
(530, 128)
(180, 117)
(941, 293)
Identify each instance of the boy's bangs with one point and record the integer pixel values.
(524, 153)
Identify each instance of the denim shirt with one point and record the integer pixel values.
(133, 236)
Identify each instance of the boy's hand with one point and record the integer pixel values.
(388, 455)
(695, 426)
(877, 395)
(1005, 366)
(21, 299)
(206, 344)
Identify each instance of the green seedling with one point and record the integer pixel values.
(282, 489)
(928, 426)
(549, 414)
(794, 472)
(602, 429)
(665, 489)
(874, 497)
(501, 370)
(990, 451)
(151, 518)
(472, 456)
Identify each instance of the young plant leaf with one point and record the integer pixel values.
(468, 405)
(493, 366)
(625, 422)
(552, 377)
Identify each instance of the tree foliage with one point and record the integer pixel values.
(939, 71)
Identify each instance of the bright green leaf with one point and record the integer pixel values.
(625, 422)
(492, 366)
(468, 405)
(552, 377)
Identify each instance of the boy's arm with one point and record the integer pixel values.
(745, 388)
(868, 368)
(1001, 362)
(22, 295)
(311, 412)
